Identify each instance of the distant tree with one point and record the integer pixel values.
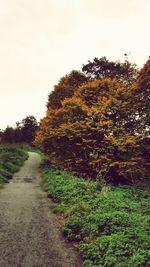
(24, 131)
(8, 135)
(29, 126)
(125, 73)
(65, 88)
(17, 133)
(1, 134)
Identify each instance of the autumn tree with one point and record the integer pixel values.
(116, 155)
(58, 133)
(90, 134)
(97, 124)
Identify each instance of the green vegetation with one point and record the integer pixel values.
(11, 158)
(109, 224)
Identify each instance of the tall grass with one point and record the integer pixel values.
(11, 159)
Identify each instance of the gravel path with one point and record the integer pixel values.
(29, 234)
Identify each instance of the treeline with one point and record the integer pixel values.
(97, 123)
(23, 132)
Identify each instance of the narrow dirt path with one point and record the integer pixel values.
(29, 236)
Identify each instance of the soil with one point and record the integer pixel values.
(30, 235)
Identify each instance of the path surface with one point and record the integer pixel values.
(29, 235)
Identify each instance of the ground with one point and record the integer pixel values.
(29, 232)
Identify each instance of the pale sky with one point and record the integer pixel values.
(42, 40)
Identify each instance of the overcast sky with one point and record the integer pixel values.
(42, 40)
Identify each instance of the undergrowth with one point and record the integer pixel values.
(109, 224)
(12, 158)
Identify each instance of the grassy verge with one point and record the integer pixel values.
(12, 158)
(109, 224)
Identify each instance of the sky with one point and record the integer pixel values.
(42, 40)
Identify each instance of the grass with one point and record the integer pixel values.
(12, 158)
(110, 225)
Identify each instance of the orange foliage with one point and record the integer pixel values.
(92, 133)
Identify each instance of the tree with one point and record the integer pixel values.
(97, 124)
(124, 73)
(8, 135)
(29, 126)
(1, 134)
(89, 133)
(65, 88)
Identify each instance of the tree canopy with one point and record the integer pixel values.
(125, 72)
(96, 129)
